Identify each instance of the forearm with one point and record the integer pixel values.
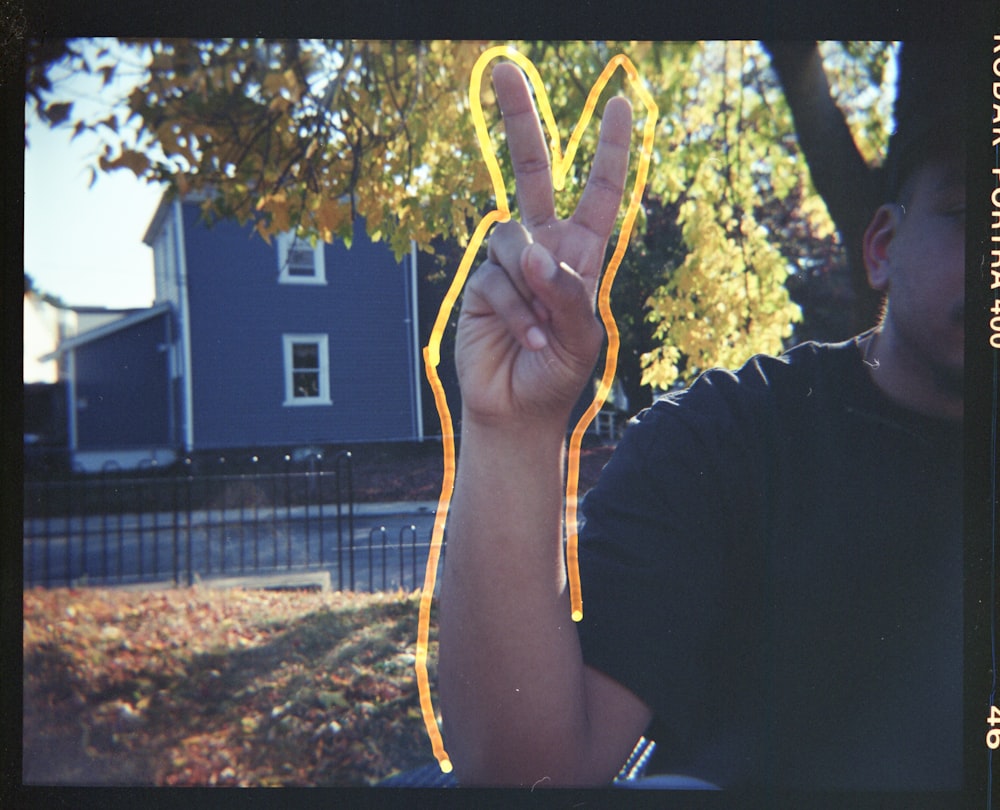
(511, 674)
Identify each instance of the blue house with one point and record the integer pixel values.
(250, 344)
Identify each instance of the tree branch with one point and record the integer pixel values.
(839, 173)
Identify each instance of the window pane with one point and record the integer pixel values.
(301, 262)
(306, 384)
(305, 355)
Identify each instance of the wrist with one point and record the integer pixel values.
(538, 432)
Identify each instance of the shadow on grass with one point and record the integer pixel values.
(327, 699)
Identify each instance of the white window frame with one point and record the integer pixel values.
(322, 342)
(286, 241)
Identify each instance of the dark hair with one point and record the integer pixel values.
(929, 110)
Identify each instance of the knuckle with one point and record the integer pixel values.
(506, 243)
(494, 284)
(486, 275)
(482, 280)
(506, 232)
(527, 165)
(605, 185)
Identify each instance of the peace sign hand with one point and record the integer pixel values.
(528, 337)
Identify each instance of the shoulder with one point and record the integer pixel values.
(715, 443)
(806, 371)
(804, 363)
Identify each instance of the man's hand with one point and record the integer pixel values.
(528, 338)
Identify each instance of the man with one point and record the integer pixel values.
(771, 561)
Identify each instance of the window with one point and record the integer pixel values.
(307, 369)
(299, 262)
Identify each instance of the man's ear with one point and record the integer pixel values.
(878, 236)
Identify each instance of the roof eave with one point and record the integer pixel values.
(105, 329)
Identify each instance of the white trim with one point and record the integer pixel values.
(185, 336)
(284, 242)
(152, 230)
(167, 200)
(288, 341)
(418, 403)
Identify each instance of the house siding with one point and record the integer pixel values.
(122, 388)
(239, 312)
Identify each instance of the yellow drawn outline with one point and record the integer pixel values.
(432, 352)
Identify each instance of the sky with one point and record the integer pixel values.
(84, 244)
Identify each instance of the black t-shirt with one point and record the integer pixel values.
(772, 561)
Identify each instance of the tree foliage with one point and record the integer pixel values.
(310, 134)
(290, 133)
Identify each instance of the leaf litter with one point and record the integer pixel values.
(199, 686)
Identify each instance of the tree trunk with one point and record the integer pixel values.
(848, 186)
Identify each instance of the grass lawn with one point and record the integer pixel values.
(193, 686)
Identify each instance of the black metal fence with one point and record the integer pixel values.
(185, 525)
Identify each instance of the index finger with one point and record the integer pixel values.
(528, 152)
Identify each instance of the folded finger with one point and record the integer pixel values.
(506, 249)
(506, 244)
(491, 291)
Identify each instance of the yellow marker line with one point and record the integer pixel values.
(432, 352)
(604, 308)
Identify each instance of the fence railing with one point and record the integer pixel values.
(115, 528)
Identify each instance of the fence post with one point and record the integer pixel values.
(103, 497)
(135, 488)
(46, 566)
(241, 489)
(156, 497)
(84, 514)
(189, 485)
(307, 501)
(47, 577)
(371, 556)
(402, 566)
(385, 545)
(340, 525)
(106, 468)
(413, 561)
(69, 535)
(274, 519)
(288, 512)
(344, 462)
(224, 477)
(255, 477)
(174, 533)
(320, 503)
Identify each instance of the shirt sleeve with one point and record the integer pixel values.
(669, 557)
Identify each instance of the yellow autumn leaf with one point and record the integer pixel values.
(329, 216)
